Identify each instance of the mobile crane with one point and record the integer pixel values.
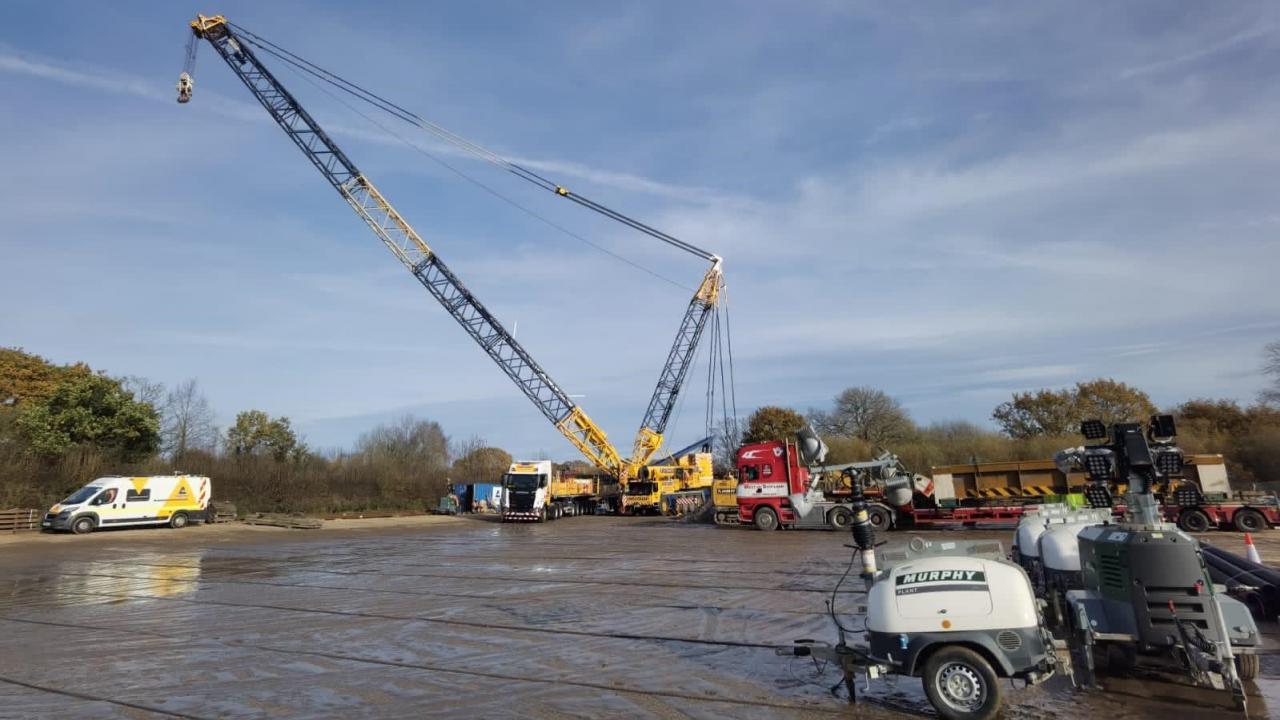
(235, 44)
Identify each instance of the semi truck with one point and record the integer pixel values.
(532, 493)
(781, 485)
(778, 488)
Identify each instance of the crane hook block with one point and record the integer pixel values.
(562, 191)
(185, 85)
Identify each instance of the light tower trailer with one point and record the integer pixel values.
(956, 614)
(1145, 599)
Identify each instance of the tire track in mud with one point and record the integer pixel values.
(542, 580)
(431, 667)
(418, 618)
(424, 593)
(98, 698)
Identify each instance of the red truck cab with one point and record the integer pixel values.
(768, 474)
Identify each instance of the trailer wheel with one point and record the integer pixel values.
(840, 518)
(1247, 666)
(879, 517)
(1194, 521)
(766, 519)
(83, 525)
(178, 521)
(961, 684)
(1249, 520)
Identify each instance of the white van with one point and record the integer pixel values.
(172, 500)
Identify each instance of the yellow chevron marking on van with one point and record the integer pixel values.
(182, 499)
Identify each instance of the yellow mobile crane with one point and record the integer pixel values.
(236, 45)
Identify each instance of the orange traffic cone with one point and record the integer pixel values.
(1250, 550)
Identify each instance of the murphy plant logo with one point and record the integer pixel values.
(941, 581)
(942, 576)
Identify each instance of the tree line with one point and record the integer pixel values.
(1033, 425)
(64, 425)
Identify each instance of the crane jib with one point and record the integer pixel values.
(409, 248)
(439, 280)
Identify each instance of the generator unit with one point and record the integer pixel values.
(956, 614)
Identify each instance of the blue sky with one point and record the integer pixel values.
(947, 201)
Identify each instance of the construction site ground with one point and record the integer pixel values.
(464, 617)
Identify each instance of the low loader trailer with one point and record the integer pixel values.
(780, 486)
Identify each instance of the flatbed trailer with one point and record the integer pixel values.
(1247, 514)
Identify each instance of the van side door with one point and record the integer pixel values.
(138, 506)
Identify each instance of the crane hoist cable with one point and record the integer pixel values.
(309, 78)
(463, 143)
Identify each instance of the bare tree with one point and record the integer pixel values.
(866, 414)
(188, 421)
(1271, 368)
(726, 438)
(477, 462)
(144, 390)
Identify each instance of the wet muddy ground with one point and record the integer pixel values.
(583, 617)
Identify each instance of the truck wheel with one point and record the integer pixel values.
(961, 684)
(1249, 520)
(840, 518)
(1194, 521)
(879, 517)
(178, 521)
(1247, 666)
(83, 525)
(542, 514)
(766, 519)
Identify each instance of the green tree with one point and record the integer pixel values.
(256, 433)
(772, 423)
(90, 410)
(1059, 412)
(867, 414)
(26, 378)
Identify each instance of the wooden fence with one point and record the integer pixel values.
(12, 521)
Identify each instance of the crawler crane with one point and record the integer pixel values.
(236, 45)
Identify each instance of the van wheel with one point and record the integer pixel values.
(766, 519)
(1249, 520)
(179, 520)
(961, 684)
(83, 525)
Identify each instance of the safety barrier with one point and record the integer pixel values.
(17, 520)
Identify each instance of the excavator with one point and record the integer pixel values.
(238, 47)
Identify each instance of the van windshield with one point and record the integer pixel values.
(82, 494)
